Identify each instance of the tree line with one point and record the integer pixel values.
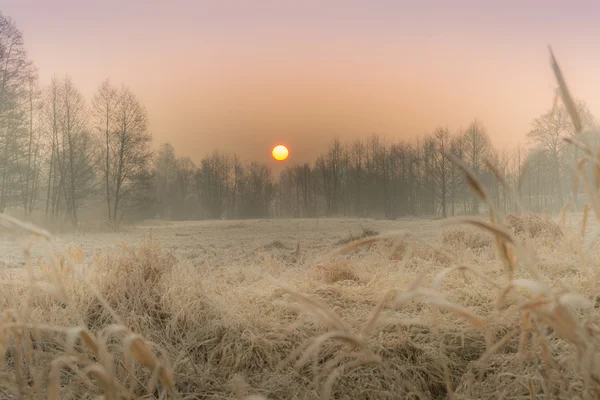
(61, 153)
(376, 177)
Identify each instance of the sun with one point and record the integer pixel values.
(280, 152)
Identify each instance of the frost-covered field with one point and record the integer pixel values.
(223, 243)
(228, 309)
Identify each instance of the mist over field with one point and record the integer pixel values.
(246, 235)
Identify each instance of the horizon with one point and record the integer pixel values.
(312, 72)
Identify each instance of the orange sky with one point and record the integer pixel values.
(243, 75)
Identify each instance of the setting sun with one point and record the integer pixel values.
(280, 152)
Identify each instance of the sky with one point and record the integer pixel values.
(242, 76)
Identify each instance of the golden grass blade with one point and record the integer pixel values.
(140, 350)
(406, 297)
(327, 391)
(500, 176)
(576, 300)
(563, 324)
(316, 308)
(534, 304)
(483, 277)
(582, 146)
(498, 344)
(477, 187)
(372, 319)
(462, 312)
(409, 295)
(99, 373)
(544, 348)
(495, 229)
(508, 259)
(353, 340)
(54, 377)
(530, 285)
(524, 340)
(563, 214)
(472, 179)
(89, 340)
(297, 352)
(591, 194)
(584, 222)
(531, 389)
(365, 242)
(565, 94)
(11, 222)
(437, 281)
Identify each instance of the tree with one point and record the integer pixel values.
(457, 179)
(104, 111)
(165, 167)
(589, 136)
(212, 183)
(131, 155)
(476, 147)
(184, 184)
(15, 73)
(76, 167)
(30, 181)
(443, 171)
(258, 191)
(548, 132)
(184, 177)
(73, 151)
(51, 117)
(357, 156)
(173, 181)
(331, 166)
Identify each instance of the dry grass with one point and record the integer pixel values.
(466, 237)
(495, 308)
(533, 225)
(376, 318)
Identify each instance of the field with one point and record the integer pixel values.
(234, 309)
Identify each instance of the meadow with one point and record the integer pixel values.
(303, 309)
(491, 306)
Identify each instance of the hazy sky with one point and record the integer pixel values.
(242, 76)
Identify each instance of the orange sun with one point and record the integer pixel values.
(280, 152)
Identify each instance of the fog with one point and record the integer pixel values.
(239, 77)
(432, 233)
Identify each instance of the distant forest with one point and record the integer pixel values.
(63, 156)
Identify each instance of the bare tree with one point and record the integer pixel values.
(357, 156)
(456, 178)
(131, 155)
(75, 141)
(15, 71)
(330, 166)
(589, 136)
(184, 178)
(32, 171)
(548, 132)
(165, 167)
(51, 115)
(443, 171)
(212, 180)
(476, 147)
(104, 112)
(258, 191)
